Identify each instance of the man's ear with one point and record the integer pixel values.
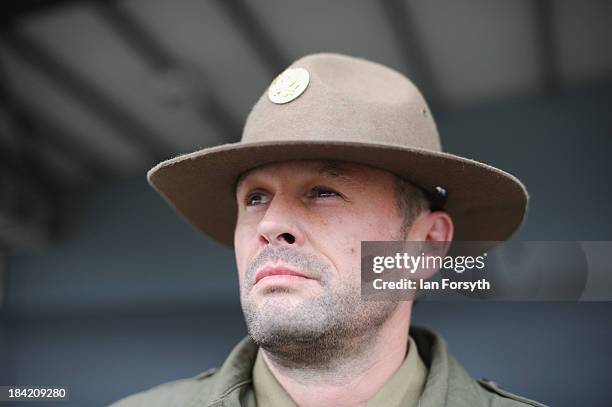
(430, 227)
(434, 226)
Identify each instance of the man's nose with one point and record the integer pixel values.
(280, 225)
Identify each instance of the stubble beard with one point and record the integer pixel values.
(317, 333)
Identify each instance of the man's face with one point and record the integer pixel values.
(297, 241)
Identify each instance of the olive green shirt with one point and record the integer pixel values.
(403, 388)
(446, 382)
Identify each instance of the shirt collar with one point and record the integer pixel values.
(403, 388)
(445, 379)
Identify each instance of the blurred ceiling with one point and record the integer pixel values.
(102, 89)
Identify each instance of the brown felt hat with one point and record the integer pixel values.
(336, 107)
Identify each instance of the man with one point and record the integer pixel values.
(338, 150)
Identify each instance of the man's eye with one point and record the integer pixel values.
(259, 198)
(322, 192)
(256, 199)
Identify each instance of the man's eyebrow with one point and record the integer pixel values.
(340, 171)
(337, 170)
(329, 169)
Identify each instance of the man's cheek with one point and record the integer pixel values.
(242, 267)
(241, 255)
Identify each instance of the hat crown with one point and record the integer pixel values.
(346, 99)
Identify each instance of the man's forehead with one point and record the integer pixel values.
(330, 168)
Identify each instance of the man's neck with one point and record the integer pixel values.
(354, 380)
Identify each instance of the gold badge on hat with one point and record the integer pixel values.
(288, 85)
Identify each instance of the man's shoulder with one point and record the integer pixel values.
(497, 396)
(213, 385)
(448, 380)
(173, 393)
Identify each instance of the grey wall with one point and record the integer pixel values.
(133, 296)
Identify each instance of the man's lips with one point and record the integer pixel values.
(278, 271)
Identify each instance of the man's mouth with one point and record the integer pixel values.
(280, 273)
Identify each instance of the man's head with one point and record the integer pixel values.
(309, 218)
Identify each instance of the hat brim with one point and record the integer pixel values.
(485, 203)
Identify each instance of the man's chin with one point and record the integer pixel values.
(281, 304)
(282, 295)
(278, 331)
(286, 314)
